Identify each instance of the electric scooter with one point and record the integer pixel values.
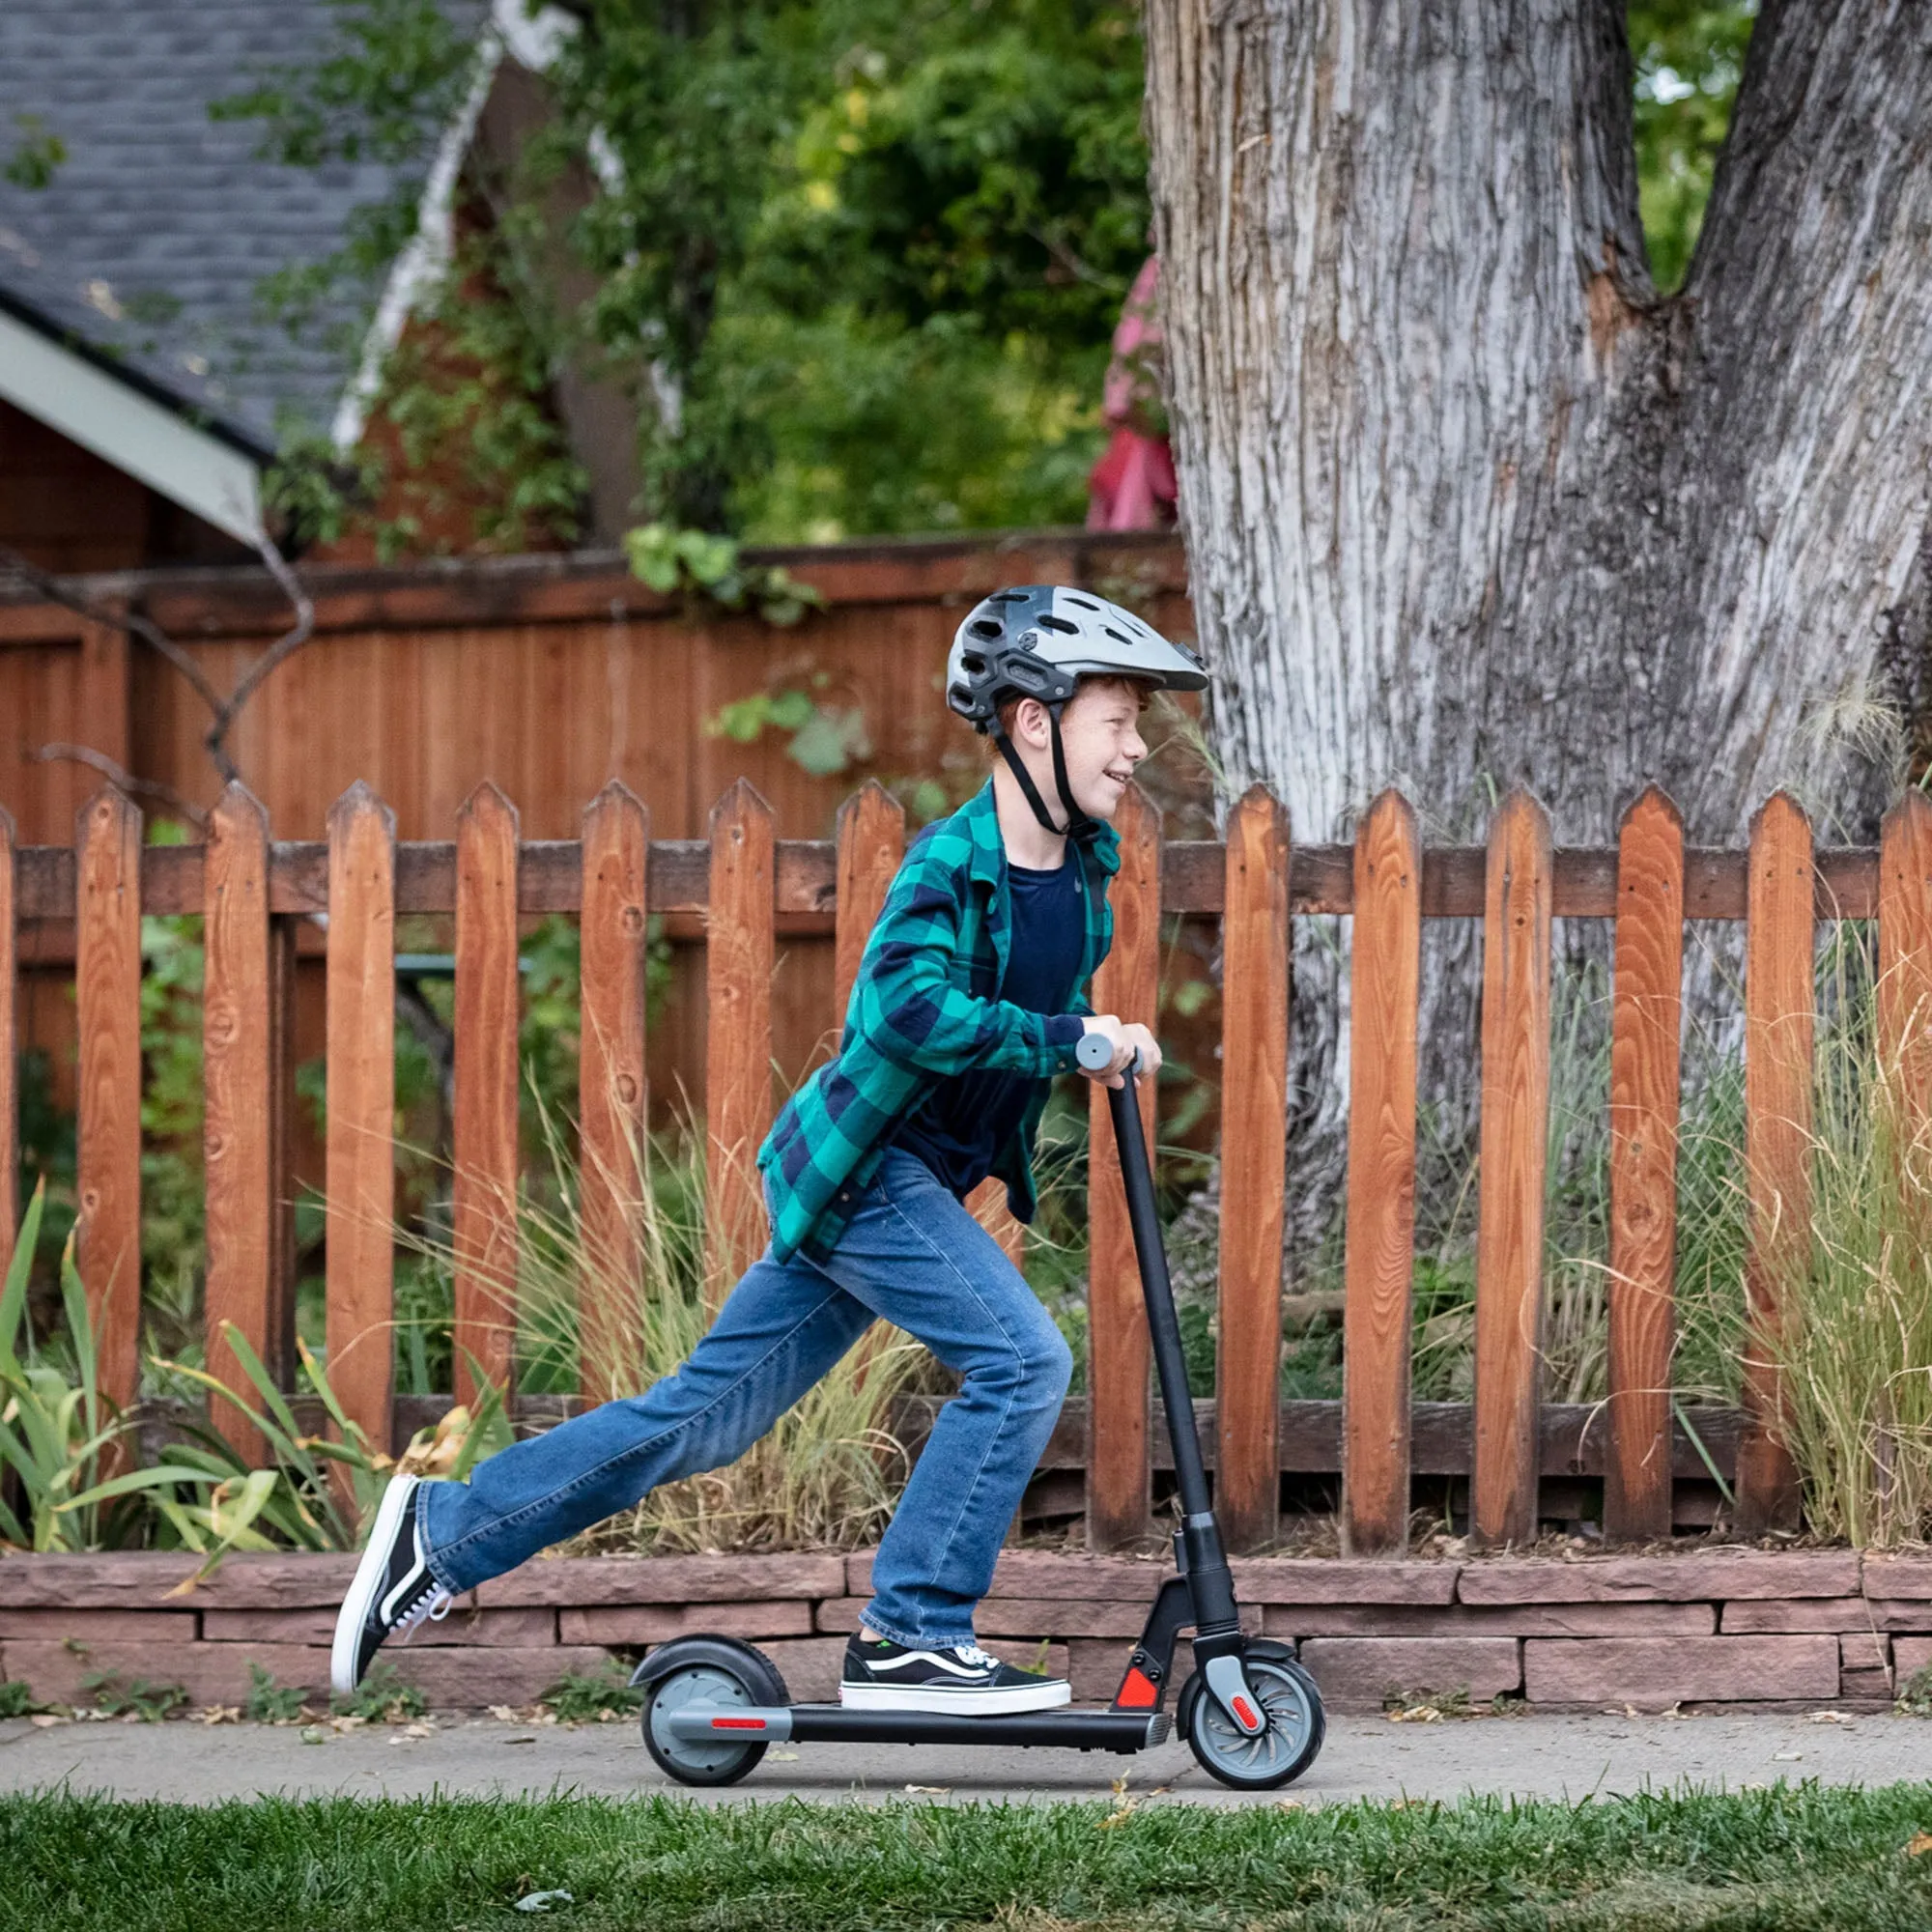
(1249, 1711)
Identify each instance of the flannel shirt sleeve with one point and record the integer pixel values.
(913, 1013)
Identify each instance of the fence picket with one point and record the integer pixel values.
(1119, 1354)
(237, 1129)
(1254, 1152)
(610, 1088)
(1385, 981)
(1515, 1137)
(1645, 1022)
(10, 1048)
(872, 843)
(483, 1184)
(362, 1087)
(740, 945)
(1905, 954)
(107, 995)
(1778, 1037)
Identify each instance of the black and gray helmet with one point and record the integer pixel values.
(1037, 641)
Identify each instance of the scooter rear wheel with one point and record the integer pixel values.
(703, 1680)
(1278, 1755)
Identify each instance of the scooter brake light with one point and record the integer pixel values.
(737, 1723)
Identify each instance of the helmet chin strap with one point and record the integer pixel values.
(1079, 827)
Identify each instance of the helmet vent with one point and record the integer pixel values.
(973, 663)
(1085, 603)
(1049, 623)
(987, 627)
(1116, 636)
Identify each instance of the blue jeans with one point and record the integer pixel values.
(912, 1256)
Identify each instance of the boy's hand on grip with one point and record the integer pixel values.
(1126, 1037)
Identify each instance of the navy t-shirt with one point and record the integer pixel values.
(969, 1116)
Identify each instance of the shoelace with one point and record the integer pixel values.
(431, 1608)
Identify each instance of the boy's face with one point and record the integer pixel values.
(1099, 730)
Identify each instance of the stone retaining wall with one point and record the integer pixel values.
(1719, 1625)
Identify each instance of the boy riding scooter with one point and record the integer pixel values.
(970, 997)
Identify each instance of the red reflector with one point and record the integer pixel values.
(1244, 1711)
(737, 1723)
(1137, 1691)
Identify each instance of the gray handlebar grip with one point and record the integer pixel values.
(1096, 1051)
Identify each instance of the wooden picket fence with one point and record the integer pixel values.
(252, 893)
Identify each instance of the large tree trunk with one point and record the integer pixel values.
(1467, 503)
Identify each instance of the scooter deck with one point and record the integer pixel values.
(1071, 1727)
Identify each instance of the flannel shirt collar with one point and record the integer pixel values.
(982, 817)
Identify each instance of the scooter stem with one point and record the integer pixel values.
(1200, 1537)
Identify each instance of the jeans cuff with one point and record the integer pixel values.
(438, 1568)
(912, 1640)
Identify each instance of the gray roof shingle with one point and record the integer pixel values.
(154, 234)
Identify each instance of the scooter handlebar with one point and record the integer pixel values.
(1096, 1051)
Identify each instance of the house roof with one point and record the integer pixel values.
(144, 251)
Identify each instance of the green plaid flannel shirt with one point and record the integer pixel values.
(925, 1005)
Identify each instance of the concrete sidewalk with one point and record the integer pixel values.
(1554, 1757)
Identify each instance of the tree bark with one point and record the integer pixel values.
(1469, 506)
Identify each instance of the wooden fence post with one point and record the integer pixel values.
(1514, 1141)
(1117, 1352)
(1778, 1036)
(1254, 1155)
(739, 949)
(1905, 958)
(610, 1091)
(872, 843)
(10, 1048)
(362, 1085)
(1646, 1018)
(1384, 983)
(483, 1204)
(238, 1131)
(107, 994)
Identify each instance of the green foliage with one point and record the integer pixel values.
(1689, 57)
(709, 571)
(149, 1702)
(39, 154)
(16, 1699)
(269, 1702)
(382, 1698)
(582, 1696)
(825, 739)
(1914, 1695)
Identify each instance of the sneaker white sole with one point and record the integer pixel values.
(367, 1581)
(1049, 1696)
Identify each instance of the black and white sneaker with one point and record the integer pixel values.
(392, 1591)
(881, 1675)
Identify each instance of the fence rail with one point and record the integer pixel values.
(253, 890)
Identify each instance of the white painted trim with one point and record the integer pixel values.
(420, 266)
(531, 39)
(90, 406)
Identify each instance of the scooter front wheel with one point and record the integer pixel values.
(1272, 1757)
(712, 1676)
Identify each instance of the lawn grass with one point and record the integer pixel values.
(1788, 1856)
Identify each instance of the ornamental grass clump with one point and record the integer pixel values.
(1854, 1338)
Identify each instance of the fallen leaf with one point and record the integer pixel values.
(542, 1901)
(1289, 1804)
(933, 1790)
(525, 1739)
(1831, 1718)
(314, 1733)
(1918, 1844)
(419, 1730)
(1786, 1757)
(784, 1757)
(504, 1715)
(46, 1721)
